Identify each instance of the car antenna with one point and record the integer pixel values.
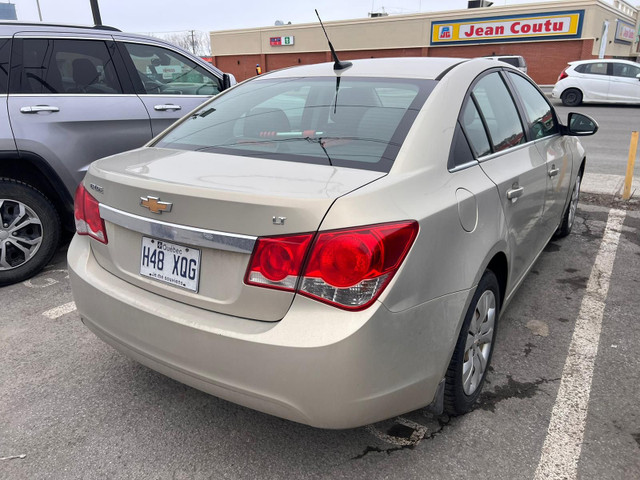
(337, 64)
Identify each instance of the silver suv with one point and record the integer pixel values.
(517, 61)
(73, 95)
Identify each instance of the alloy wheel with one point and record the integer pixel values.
(20, 234)
(479, 342)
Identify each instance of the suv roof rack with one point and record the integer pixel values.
(40, 24)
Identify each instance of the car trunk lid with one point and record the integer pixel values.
(210, 209)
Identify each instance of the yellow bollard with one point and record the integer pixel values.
(626, 194)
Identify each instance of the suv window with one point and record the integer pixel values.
(538, 112)
(67, 66)
(5, 53)
(625, 70)
(164, 72)
(499, 112)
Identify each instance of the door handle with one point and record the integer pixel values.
(39, 108)
(164, 108)
(554, 171)
(515, 192)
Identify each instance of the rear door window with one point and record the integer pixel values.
(499, 112)
(5, 53)
(599, 68)
(474, 129)
(55, 66)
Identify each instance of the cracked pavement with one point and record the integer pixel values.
(72, 407)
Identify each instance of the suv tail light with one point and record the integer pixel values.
(347, 268)
(87, 214)
(563, 74)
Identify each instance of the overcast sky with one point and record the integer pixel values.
(146, 16)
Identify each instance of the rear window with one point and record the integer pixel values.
(349, 122)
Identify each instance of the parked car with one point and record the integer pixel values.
(331, 247)
(599, 81)
(73, 95)
(517, 61)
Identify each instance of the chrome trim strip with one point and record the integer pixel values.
(464, 166)
(199, 237)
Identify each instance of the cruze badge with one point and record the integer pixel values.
(155, 205)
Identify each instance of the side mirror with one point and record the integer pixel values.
(581, 125)
(638, 76)
(228, 80)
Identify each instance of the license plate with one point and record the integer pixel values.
(170, 263)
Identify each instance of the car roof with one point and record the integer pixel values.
(401, 67)
(603, 60)
(11, 27)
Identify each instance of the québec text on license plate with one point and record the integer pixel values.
(170, 263)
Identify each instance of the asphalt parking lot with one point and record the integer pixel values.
(561, 399)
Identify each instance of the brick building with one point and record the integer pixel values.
(547, 35)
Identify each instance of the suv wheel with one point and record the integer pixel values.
(29, 231)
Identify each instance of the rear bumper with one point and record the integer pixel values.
(319, 365)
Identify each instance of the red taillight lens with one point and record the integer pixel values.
(87, 215)
(563, 74)
(350, 268)
(276, 261)
(347, 268)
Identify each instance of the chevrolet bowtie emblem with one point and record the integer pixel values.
(155, 205)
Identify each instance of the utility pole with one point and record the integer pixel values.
(193, 42)
(95, 9)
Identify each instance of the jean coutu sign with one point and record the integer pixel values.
(513, 28)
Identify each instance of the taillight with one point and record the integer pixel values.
(563, 74)
(347, 268)
(87, 215)
(276, 261)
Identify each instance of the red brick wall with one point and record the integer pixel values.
(545, 59)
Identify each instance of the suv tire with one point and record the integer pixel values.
(29, 231)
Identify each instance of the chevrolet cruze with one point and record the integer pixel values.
(330, 245)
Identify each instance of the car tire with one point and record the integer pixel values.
(472, 355)
(572, 97)
(29, 231)
(569, 216)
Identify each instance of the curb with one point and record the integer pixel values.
(606, 184)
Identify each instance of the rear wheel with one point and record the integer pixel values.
(29, 231)
(571, 97)
(472, 355)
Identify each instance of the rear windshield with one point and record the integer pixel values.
(349, 122)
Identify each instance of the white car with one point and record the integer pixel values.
(599, 81)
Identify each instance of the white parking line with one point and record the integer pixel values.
(563, 444)
(60, 311)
